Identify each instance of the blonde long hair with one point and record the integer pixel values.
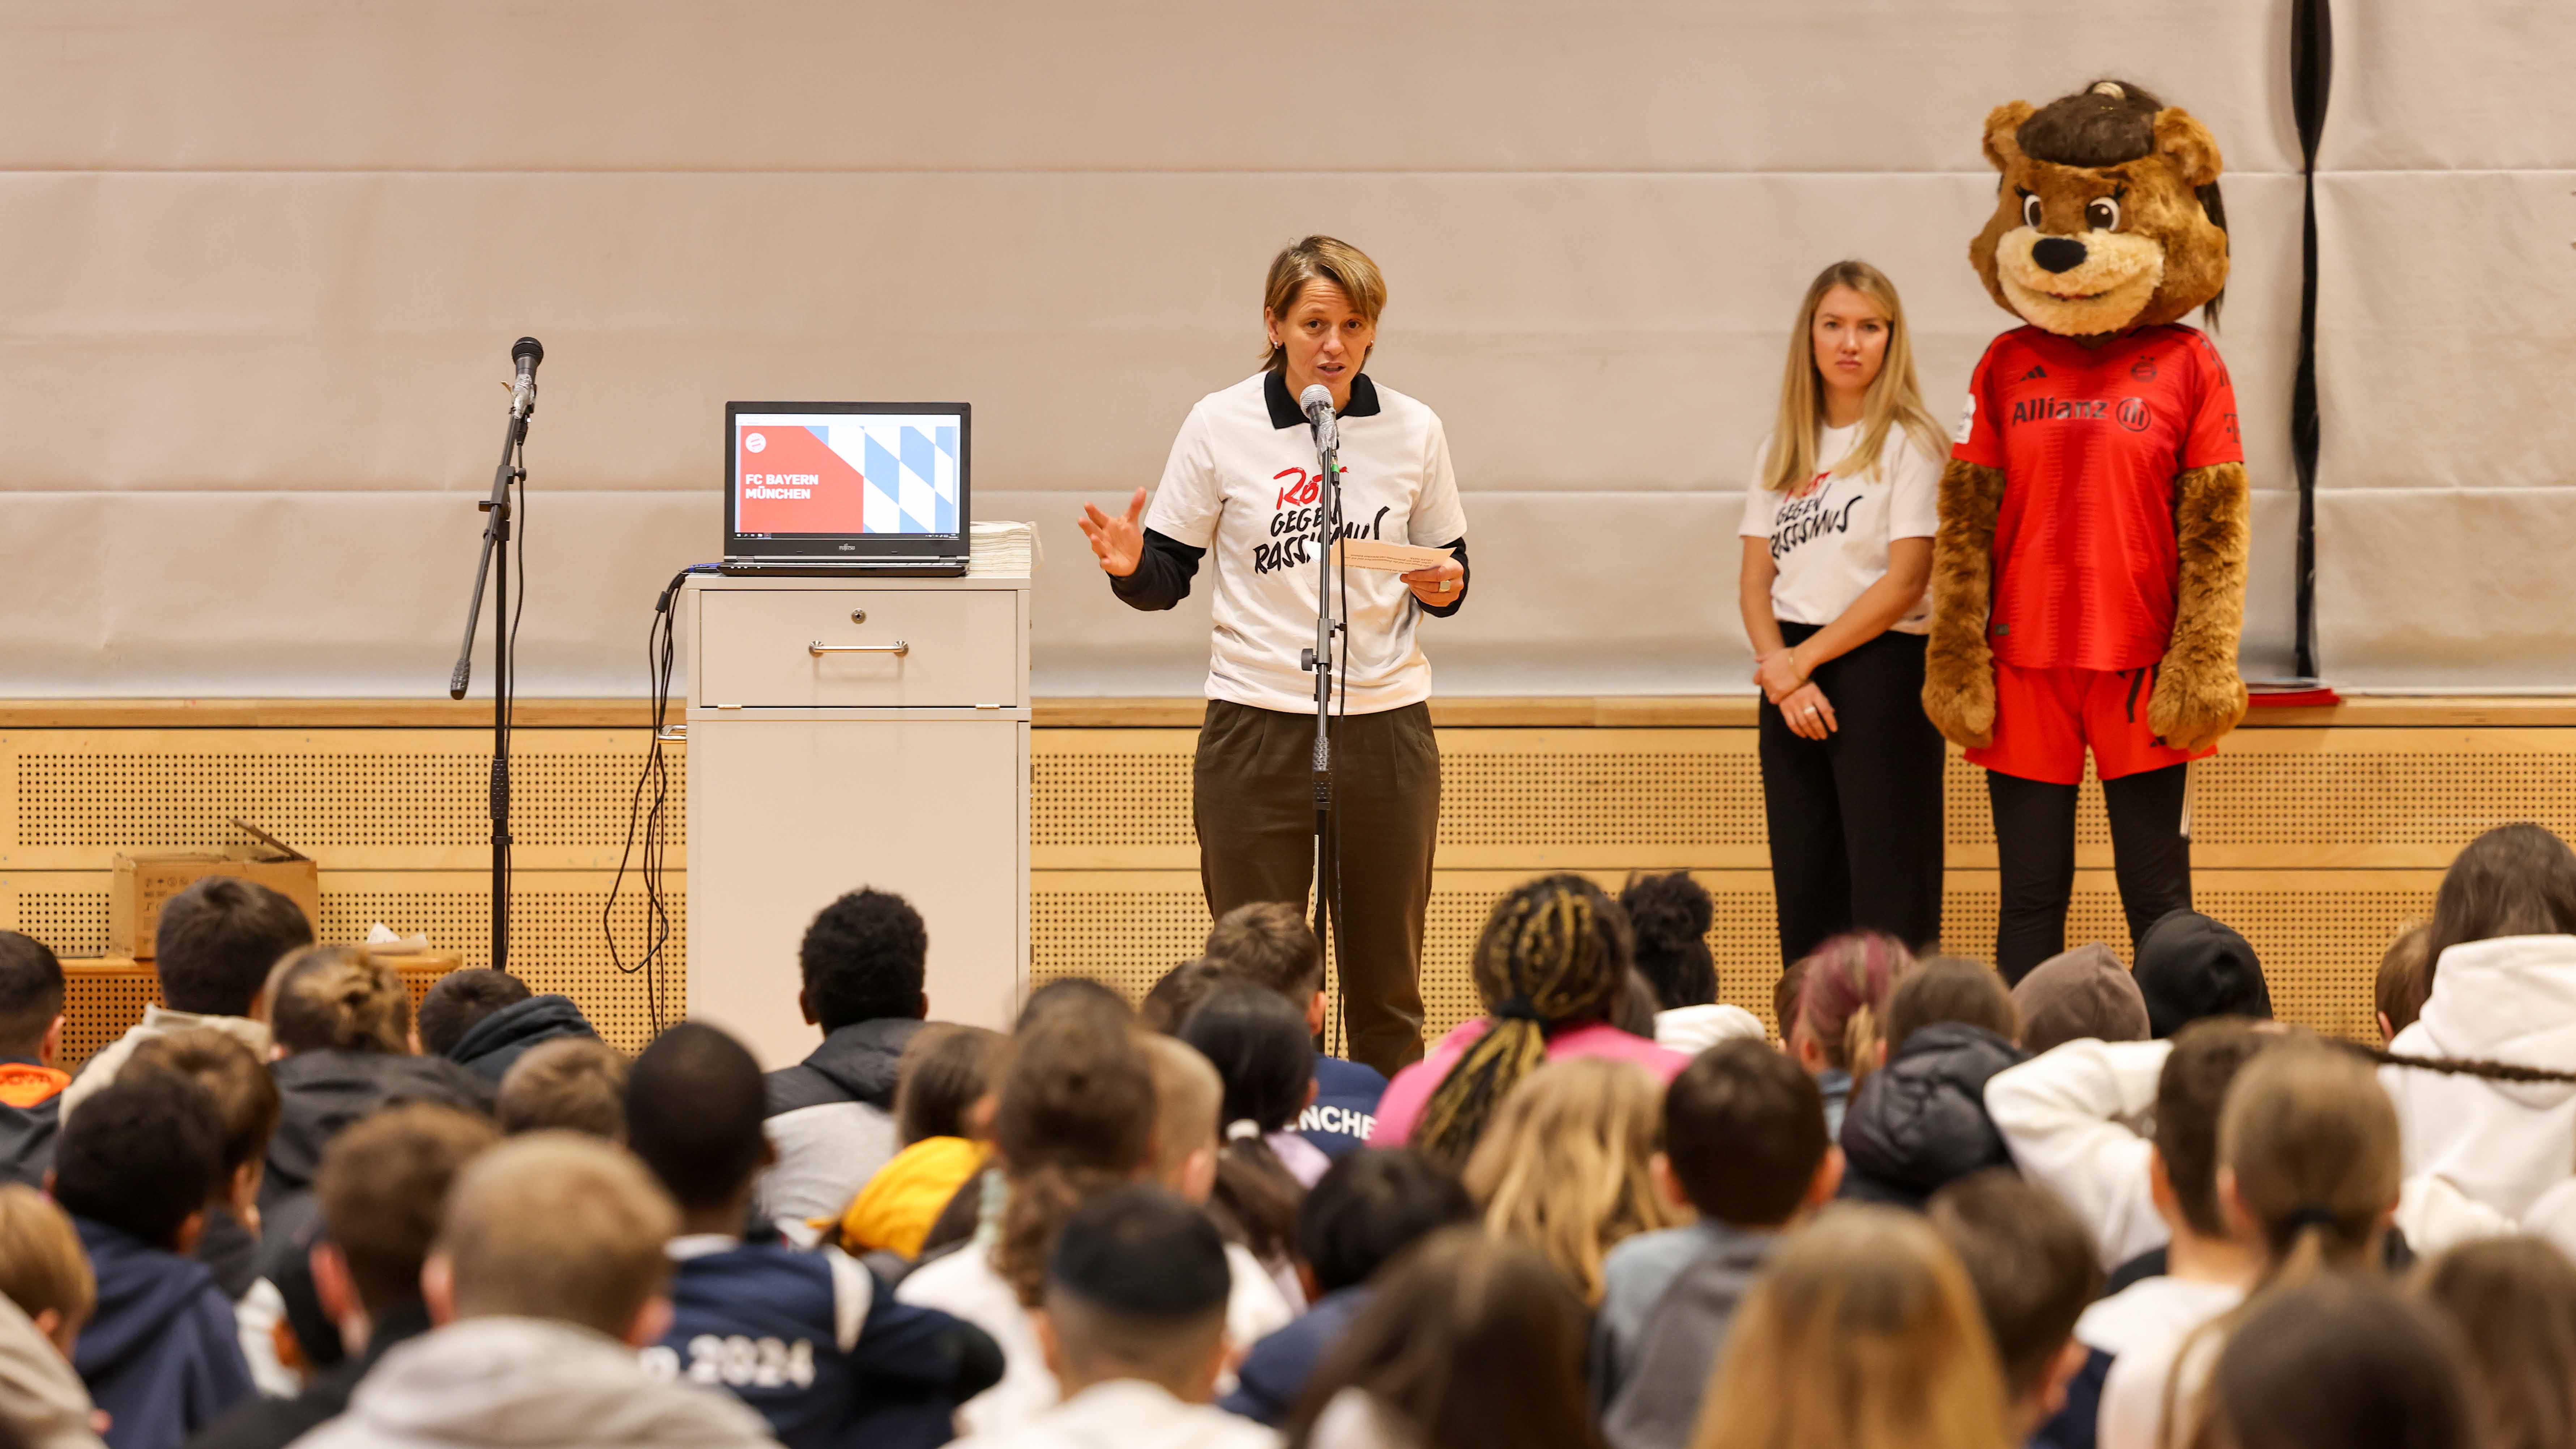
(1565, 1165)
(1863, 1334)
(1892, 402)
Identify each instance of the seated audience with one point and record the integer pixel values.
(571, 1084)
(831, 1116)
(2032, 1265)
(46, 1295)
(1269, 944)
(1189, 1098)
(1468, 1339)
(2512, 1304)
(860, 1368)
(2339, 1364)
(2083, 994)
(1076, 1118)
(1132, 1320)
(1567, 1165)
(1836, 1025)
(2190, 967)
(381, 1186)
(1075, 993)
(342, 1019)
(2405, 979)
(1549, 968)
(1744, 1145)
(1864, 1330)
(248, 1100)
(1173, 996)
(487, 1020)
(546, 1276)
(1266, 1062)
(2308, 1177)
(1919, 1122)
(2503, 948)
(31, 1034)
(1362, 1215)
(135, 1168)
(1671, 916)
(942, 1103)
(214, 946)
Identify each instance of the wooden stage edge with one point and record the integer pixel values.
(1498, 712)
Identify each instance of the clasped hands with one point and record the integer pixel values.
(1803, 707)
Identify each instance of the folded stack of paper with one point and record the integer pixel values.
(1002, 549)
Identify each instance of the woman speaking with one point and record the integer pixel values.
(1241, 483)
(1837, 533)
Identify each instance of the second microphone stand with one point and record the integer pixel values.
(496, 562)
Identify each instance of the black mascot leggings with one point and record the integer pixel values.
(2035, 856)
(1856, 816)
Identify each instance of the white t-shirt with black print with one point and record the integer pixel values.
(1829, 539)
(1243, 487)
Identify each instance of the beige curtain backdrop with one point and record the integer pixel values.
(261, 262)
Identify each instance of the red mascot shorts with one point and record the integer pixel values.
(2045, 717)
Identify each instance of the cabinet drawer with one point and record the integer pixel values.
(760, 647)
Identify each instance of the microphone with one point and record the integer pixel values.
(1318, 404)
(527, 352)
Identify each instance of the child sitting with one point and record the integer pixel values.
(946, 1085)
(1188, 1097)
(1671, 915)
(1259, 1047)
(807, 1338)
(2031, 1263)
(1568, 1165)
(1836, 1022)
(1362, 1215)
(135, 1168)
(1919, 1123)
(1133, 1325)
(1171, 999)
(1269, 944)
(1744, 1144)
(247, 1098)
(486, 1020)
(832, 1114)
(31, 1032)
(49, 1294)
(570, 1084)
(215, 944)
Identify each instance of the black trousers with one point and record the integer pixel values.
(1855, 817)
(2035, 856)
(1254, 806)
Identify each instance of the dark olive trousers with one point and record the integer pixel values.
(1254, 806)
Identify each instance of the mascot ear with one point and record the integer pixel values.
(2187, 147)
(2003, 133)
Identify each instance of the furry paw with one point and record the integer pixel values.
(1959, 699)
(2191, 707)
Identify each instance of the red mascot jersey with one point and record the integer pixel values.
(2089, 441)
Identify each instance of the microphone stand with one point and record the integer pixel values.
(1328, 508)
(496, 561)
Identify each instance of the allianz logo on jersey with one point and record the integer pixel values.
(2129, 412)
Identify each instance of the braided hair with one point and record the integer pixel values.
(1554, 953)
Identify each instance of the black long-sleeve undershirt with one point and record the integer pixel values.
(1165, 568)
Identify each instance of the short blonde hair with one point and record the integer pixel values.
(577, 1083)
(42, 1264)
(1320, 259)
(559, 1226)
(1188, 1095)
(1565, 1164)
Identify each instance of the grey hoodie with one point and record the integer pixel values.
(526, 1383)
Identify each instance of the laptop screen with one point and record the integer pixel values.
(846, 479)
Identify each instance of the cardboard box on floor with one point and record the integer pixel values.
(144, 880)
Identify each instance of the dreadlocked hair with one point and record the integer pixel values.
(1554, 953)
(1076, 1117)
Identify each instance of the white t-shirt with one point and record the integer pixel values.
(1243, 487)
(1829, 539)
(2147, 1325)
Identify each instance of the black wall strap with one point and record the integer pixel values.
(2311, 78)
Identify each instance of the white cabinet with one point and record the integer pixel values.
(814, 770)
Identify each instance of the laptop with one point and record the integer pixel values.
(846, 488)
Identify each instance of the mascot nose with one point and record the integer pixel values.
(2058, 253)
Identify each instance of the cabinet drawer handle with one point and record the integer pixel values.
(818, 648)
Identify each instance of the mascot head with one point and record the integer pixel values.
(2108, 215)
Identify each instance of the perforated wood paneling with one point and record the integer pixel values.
(98, 1006)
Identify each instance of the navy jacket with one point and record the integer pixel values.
(276, 1423)
(818, 1346)
(494, 1044)
(31, 1109)
(1274, 1374)
(1344, 1111)
(324, 1090)
(161, 1354)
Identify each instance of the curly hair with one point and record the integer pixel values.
(863, 959)
(1554, 953)
(1076, 1116)
(1671, 916)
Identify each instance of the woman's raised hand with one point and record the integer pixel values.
(1117, 542)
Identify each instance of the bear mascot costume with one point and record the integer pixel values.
(2088, 580)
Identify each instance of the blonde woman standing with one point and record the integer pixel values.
(1837, 532)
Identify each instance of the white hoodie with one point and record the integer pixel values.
(527, 1383)
(2502, 1144)
(2076, 1119)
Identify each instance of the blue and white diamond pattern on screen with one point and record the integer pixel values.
(908, 470)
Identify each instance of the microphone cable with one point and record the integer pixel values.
(648, 807)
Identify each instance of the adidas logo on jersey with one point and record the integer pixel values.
(2034, 374)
